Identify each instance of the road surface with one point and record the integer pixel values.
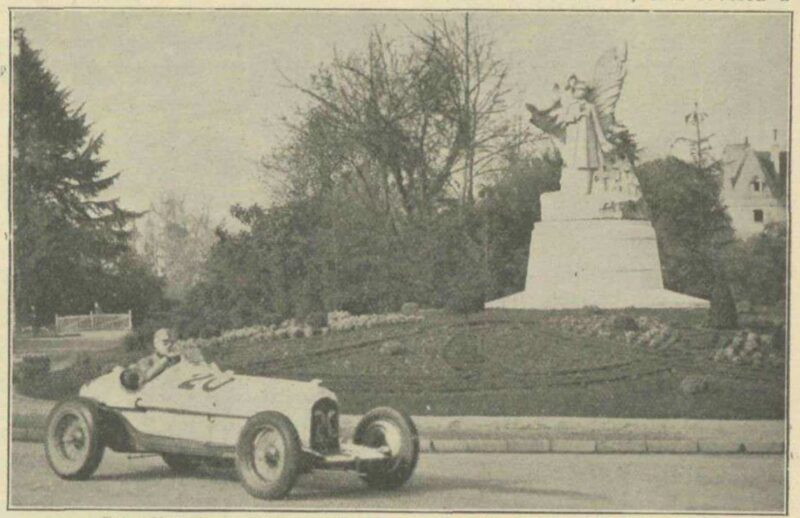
(442, 481)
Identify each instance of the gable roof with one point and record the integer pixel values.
(776, 185)
(734, 158)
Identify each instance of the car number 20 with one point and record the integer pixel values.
(210, 382)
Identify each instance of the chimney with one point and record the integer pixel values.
(775, 152)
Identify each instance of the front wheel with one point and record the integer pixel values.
(73, 444)
(394, 431)
(268, 455)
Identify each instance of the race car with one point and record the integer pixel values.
(193, 413)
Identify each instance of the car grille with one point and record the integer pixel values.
(325, 426)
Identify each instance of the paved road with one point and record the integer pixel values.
(442, 481)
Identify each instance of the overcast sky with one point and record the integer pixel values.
(189, 101)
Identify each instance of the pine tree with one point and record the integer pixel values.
(699, 143)
(65, 237)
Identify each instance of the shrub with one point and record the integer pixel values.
(139, 339)
(410, 308)
(272, 319)
(625, 323)
(39, 383)
(466, 293)
(689, 220)
(317, 320)
(31, 367)
(779, 337)
(592, 310)
(468, 299)
(722, 313)
(757, 267)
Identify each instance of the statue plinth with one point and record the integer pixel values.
(583, 253)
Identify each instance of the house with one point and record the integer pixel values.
(754, 186)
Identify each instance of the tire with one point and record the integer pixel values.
(268, 456)
(73, 444)
(387, 427)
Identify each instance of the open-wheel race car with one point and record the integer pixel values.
(192, 412)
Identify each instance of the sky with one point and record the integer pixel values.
(189, 101)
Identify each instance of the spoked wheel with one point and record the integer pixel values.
(73, 444)
(393, 431)
(268, 455)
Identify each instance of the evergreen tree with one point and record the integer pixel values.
(66, 239)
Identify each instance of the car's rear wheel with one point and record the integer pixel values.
(73, 444)
(268, 455)
(393, 431)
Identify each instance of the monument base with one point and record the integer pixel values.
(605, 263)
(569, 299)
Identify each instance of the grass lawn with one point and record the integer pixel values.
(501, 363)
(519, 363)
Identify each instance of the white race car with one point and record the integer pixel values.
(193, 412)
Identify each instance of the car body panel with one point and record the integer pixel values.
(200, 402)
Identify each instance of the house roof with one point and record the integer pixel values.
(775, 181)
(734, 158)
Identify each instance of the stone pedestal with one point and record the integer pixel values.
(583, 254)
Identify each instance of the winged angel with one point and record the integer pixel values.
(582, 115)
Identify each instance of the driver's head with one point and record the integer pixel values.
(162, 342)
(130, 379)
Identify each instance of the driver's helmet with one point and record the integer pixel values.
(163, 343)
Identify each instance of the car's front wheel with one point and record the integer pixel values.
(393, 431)
(73, 444)
(268, 455)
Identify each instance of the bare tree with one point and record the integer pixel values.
(175, 242)
(477, 100)
(400, 130)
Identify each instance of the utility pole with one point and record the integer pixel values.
(469, 152)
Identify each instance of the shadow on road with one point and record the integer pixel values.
(166, 473)
(324, 485)
(437, 485)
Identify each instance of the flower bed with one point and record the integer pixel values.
(293, 328)
(749, 347)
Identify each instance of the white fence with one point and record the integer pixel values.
(94, 322)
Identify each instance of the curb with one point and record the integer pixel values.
(584, 447)
(542, 434)
(26, 434)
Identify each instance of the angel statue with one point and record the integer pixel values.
(581, 118)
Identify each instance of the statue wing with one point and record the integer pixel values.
(546, 120)
(609, 74)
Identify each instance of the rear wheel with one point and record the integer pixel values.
(268, 455)
(73, 444)
(395, 432)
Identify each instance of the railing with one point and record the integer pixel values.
(94, 322)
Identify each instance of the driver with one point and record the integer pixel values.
(166, 354)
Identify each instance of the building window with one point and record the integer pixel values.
(756, 185)
(758, 216)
